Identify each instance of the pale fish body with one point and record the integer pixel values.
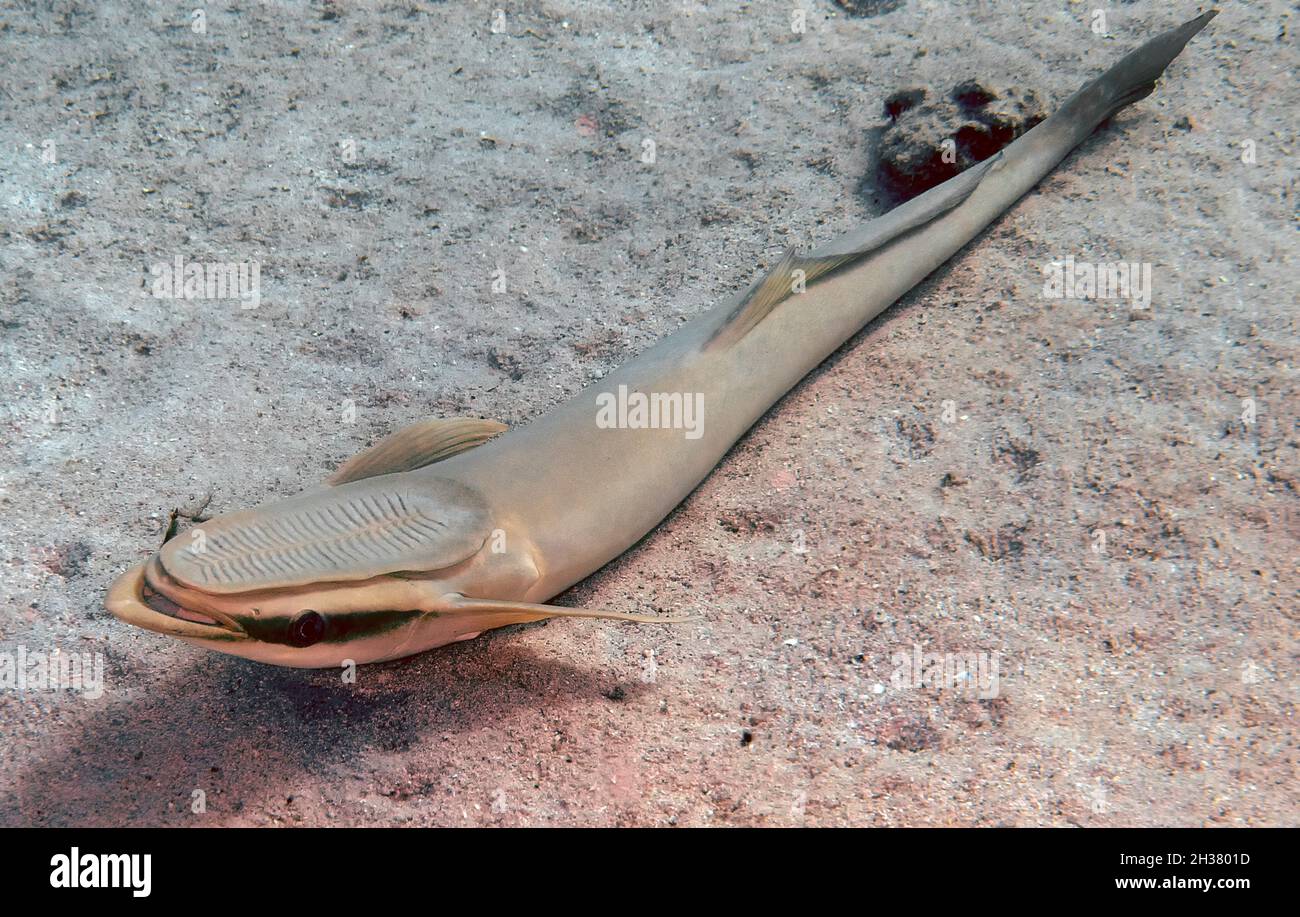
(441, 531)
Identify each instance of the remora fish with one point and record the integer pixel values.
(436, 534)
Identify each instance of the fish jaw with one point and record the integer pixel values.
(127, 601)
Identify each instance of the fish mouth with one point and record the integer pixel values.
(137, 597)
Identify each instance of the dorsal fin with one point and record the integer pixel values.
(415, 446)
(782, 280)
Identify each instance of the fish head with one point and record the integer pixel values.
(363, 572)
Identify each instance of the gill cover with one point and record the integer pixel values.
(354, 532)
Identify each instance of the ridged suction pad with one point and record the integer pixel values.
(354, 532)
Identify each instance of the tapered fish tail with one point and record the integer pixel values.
(1013, 171)
(1131, 79)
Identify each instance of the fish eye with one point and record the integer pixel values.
(308, 627)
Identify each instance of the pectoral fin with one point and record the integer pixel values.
(520, 612)
(416, 446)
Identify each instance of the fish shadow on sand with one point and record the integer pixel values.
(245, 733)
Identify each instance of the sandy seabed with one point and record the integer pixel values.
(452, 213)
